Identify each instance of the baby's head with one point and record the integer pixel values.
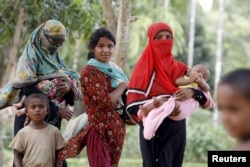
(199, 70)
(233, 97)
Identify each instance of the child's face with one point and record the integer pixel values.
(199, 71)
(104, 50)
(36, 109)
(234, 110)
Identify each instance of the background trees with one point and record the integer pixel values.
(82, 16)
(19, 18)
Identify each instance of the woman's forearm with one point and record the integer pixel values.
(116, 94)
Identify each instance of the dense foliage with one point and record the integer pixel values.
(80, 18)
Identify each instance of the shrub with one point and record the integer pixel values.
(203, 136)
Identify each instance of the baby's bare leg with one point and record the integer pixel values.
(155, 104)
(160, 101)
(144, 111)
(176, 111)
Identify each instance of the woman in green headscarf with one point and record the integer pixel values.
(41, 60)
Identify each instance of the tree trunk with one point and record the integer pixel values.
(1, 146)
(218, 63)
(11, 63)
(191, 37)
(166, 3)
(78, 106)
(122, 36)
(109, 15)
(77, 48)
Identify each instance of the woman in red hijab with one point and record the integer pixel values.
(154, 75)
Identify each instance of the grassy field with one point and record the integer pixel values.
(82, 161)
(77, 162)
(126, 163)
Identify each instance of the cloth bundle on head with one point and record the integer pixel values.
(156, 71)
(52, 36)
(54, 29)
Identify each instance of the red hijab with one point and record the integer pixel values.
(156, 71)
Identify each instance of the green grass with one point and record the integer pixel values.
(125, 163)
(190, 164)
(77, 162)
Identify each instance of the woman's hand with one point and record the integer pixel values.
(20, 112)
(184, 94)
(62, 88)
(65, 113)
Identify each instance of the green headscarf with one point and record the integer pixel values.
(34, 63)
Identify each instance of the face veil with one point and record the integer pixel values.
(156, 70)
(52, 35)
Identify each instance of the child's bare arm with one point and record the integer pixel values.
(181, 81)
(203, 85)
(58, 163)
(18, 157)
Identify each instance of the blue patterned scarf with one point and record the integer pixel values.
(111, 70)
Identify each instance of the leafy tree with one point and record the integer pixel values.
(147, 16)
(79, 18)
(202, 52)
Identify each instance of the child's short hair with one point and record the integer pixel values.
(38, 96)
(239, 80)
